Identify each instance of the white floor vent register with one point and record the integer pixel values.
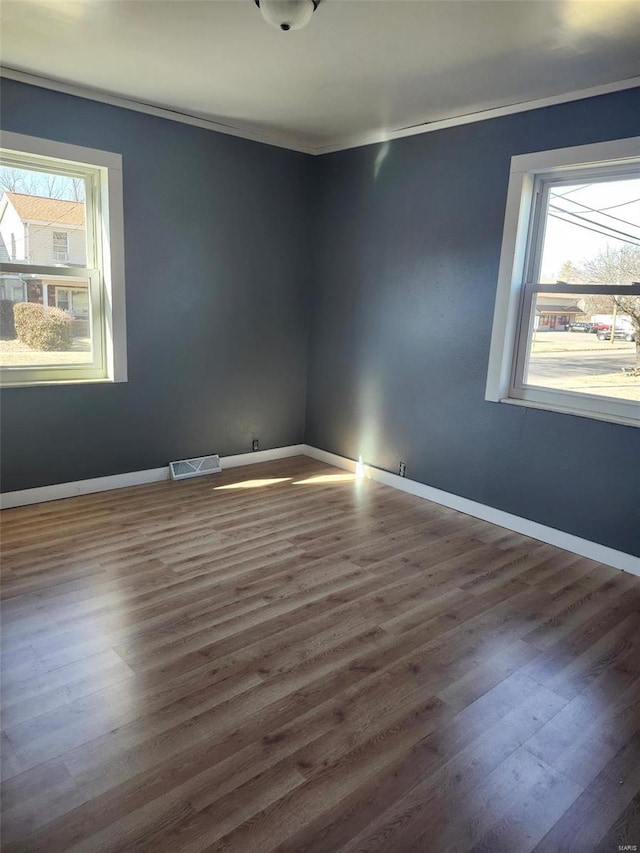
(195, 467)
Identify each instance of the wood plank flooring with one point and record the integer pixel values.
(281, 658)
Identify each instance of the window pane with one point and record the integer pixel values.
(585, 344)
(42, 217)
(45, 320)
(592, 233)
(80, 302)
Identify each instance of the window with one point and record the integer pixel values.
(62, 296)
(74, 301)
(79, 302)
(60, 246)
(12, 289)
(61, 214)
(566, 331)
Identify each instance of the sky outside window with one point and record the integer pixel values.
(584, 220)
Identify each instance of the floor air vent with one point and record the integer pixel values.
(195, 467)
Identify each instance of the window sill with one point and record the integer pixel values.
(567, 410)
(47, 382)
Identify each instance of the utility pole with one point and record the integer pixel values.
(613, 324)
(615, 304)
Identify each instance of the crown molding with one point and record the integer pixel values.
(170, 113)
(294, 144)
(483, 114)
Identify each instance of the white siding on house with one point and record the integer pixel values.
(12, 231)
(40, 242)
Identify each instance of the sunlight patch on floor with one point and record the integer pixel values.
(326, 478)
(254, 484)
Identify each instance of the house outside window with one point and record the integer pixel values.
(570, 263)
(69, 279)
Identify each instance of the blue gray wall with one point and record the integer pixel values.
(408, 239)
(216, 232)
(378, 264)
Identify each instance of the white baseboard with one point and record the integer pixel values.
(42, 494)
(262, 456)
(57, 491)
(567, 541)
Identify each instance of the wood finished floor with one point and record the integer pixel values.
(310, 663)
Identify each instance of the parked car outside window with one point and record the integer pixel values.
(620, 333)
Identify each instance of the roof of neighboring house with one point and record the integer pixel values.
(557, 305)
(53, 210)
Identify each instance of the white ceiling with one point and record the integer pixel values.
(360, 70)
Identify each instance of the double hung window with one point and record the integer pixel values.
(62, 266)
(566, 332)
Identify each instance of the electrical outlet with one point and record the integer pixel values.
(255, 444)
(402, 469)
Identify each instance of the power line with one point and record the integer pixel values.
(634, 241)
(600, 224)
(55, 222)
(609, 215)
(573, 190)
(622, 204)
(595, 230)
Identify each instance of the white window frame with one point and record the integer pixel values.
(104, 272)
(520, 257)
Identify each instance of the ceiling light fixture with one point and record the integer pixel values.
(287, 14)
